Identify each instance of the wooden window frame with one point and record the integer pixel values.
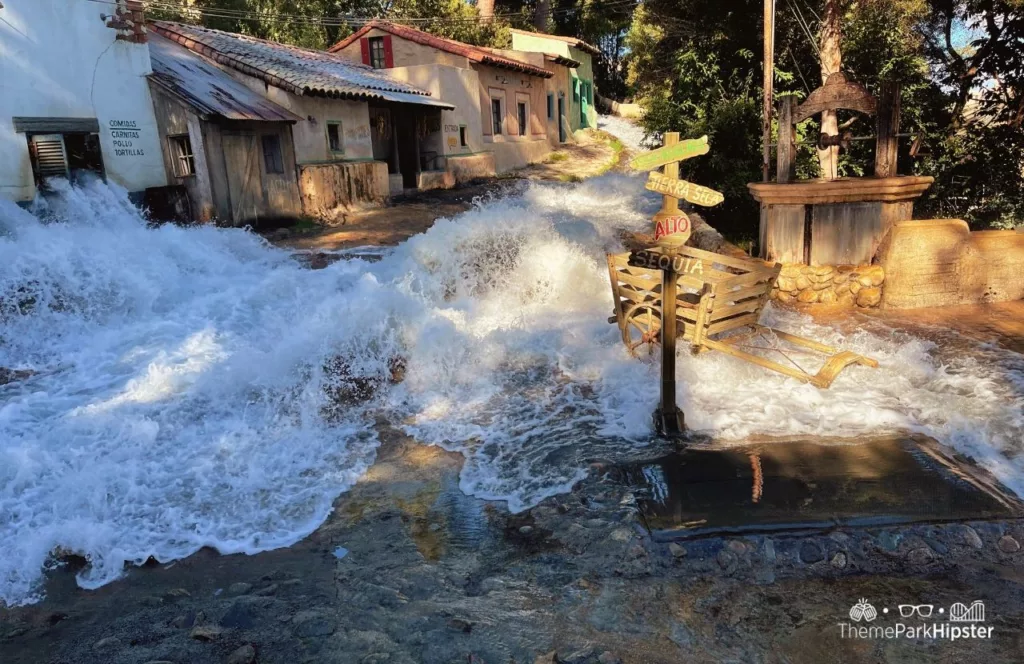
(341, 137)
(184, 157)
(277, 167)
(551, 106)
(463, 136)
(498, 130)
(372, 43)
(523, 117)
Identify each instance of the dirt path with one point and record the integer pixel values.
(592, 154)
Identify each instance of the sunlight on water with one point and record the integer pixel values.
(196, 387)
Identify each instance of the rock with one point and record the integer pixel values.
(844, 287)
(822, 285)
(737, 547)
(786, 284)
(460, 625)
(206, 633)
(846, 298)
(875, 275)
(239, 588)
(176, 594)
(839, 560)
(869, 297)
(785, 298)
(840, 278)
(920, 556)
(1007, 544)
(824, 270)
(109, 643)
(810, 552)
(313, 623)
(547, 658)
(889, 540)
(937, 546)
(269, 590)
(845, 269)
(808, 296)
(581, 656)
(854, 286)
(769, 551)
(526, 530)
(238, 616)
(676, 550)
(181, 622)
(802, 282)
(790, 270)
(622, 534)
(827, 297)
(727, 560)
(243, 655)
(608, 658)
(969, 536)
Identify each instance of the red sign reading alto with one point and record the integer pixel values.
(678, 227)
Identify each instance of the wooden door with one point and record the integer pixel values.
(561, 120)
(245, 182)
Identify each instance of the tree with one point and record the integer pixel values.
(831, 56)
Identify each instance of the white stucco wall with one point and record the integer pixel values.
(310, 136)
(59, 59)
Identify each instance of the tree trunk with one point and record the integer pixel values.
(486, 9)
(831, 62)
(541, 15)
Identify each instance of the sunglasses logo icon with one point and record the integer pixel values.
(923, 610)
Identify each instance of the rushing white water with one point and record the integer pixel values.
(625, 129)
(197, 387)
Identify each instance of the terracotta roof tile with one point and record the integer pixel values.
(472, 53)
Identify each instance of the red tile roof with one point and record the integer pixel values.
(470, 52)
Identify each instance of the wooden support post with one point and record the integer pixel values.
(786, 152)
(768, 83)
(886, 130)
(668, 420)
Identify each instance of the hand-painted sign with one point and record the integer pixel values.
(687, 191)
(668, 262)
(675, 230)
(680, 151)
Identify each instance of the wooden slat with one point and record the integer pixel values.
(737, 296)
(732, 323)
(747, 280)
(744, 307)
(637, 282)
(56, 125)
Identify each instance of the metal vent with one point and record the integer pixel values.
(48, 154)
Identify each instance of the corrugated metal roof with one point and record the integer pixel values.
(472, 53)
(297, 70)
(207, 88)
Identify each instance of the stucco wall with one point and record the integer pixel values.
(468, 167)
(585, 72)
(457, 86)
(939, 262)
(310, 136)
(406, 53)
(58, 59)
(516, 154)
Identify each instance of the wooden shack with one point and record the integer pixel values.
(230, 147)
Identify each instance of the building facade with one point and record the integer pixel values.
(74, 98)
(582, 112)
(360, 134)
(498, 123)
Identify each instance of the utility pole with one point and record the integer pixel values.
(769, 73)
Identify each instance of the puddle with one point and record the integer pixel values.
(798, 485)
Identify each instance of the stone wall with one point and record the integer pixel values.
(940, 262)
(844, 285)
(470, 167)
(330, 190)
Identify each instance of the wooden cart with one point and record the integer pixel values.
(717, 295)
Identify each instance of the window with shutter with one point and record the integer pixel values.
(49, 158)
(377, 56)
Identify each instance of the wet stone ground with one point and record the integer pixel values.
(409, 569)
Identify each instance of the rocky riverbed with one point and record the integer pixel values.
(409, 569)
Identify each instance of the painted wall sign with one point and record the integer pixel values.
(124, 133)
(688, 191)
(667, 262)
(680, 151)
(676, 230)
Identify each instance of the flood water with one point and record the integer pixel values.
(197, 387)
(812, 485)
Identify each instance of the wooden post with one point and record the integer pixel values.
(769, 73)
(668, 420)
(786, 151)
(887, 128)
(669, 205)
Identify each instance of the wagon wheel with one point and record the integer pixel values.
(644, 322)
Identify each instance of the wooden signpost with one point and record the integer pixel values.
(672, 230)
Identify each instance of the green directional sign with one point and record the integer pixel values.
(648, 161)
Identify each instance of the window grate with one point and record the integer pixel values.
(181, 151)
(272, 157)
(49, 155)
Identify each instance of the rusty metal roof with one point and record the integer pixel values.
(468, 51)
(206, 87)
(297, 70)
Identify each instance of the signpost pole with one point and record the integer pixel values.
(669, 205)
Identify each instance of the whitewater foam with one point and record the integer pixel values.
(198, 387)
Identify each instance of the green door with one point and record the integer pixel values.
(584, 96)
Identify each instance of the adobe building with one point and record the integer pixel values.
(582, 112)
(499, 120)
(359, 134)
(74, 97)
